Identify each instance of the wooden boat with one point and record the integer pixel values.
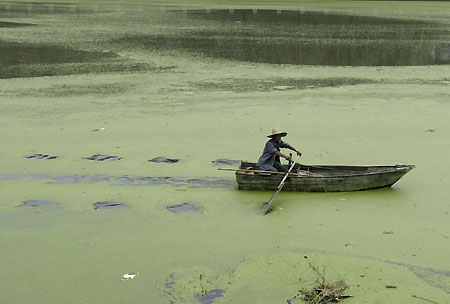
(308, 178)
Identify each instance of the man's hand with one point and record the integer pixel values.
(288, 158)
(298, 152)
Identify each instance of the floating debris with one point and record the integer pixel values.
(388, 232)
(101, 129)
(391, 286)
(41, 156)
(37, 203)
(224, 161)
(108, 205)
(99, 157)
(129, 276)
(185, 207)
(429, 130)
(164, 160)
(325, 292)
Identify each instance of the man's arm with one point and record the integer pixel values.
(278, 153)
(293, 149)
(285, 145)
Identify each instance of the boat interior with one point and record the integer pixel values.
(324, 170)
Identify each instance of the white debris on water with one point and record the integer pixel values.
(129, 276)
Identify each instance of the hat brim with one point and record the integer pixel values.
(279, 133)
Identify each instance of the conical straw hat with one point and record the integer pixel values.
(277, 131)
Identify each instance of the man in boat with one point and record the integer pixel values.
(270, 159)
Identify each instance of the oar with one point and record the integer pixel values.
(280, 186)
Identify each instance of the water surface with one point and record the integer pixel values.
(142, 81)
(307, 38)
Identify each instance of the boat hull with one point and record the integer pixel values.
(326, 178)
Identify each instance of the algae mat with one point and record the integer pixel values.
(125, 89)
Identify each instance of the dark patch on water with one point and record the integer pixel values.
(108, 205)
(39, 70)
(43, 3)
(41, 156)
(268, 17)
(164, 160)
(15, 53)
(29, 8)
(37, 203)
(311, 38)
(78, 179)
(206, 182)
(278, 84)
(72, 90)
(185, 207)
(5, 24)
(210, 296)
(99, 157)
(169, 281)
(224, 161)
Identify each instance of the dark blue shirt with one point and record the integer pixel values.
(268, 157)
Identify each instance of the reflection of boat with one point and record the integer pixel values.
(310, 178)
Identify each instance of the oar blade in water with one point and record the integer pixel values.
(269, 203)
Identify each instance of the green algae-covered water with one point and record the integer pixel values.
(357, 83)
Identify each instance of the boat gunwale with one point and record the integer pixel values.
(389, 169)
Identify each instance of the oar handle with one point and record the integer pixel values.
(289, 171)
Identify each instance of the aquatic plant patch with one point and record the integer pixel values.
(276, 277)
